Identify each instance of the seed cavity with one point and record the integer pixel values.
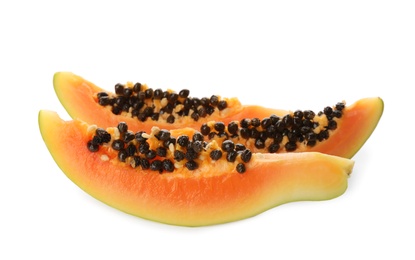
(143, 103)
(276, 134)
(160, 151)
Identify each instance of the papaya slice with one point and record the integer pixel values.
(175, 177)
(338, 130)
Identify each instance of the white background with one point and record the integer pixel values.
(282, 54)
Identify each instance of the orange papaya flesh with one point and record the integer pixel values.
(344, 137)
(213, 193)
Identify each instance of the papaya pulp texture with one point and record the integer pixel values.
(212, 194)
(358, 121)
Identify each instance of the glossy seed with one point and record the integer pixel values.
(278, 138)
(197, 146)
(239, 147)
(122, 155)
(120, 101)
(332, 125)
(196, 103)
(255, 122)
(265, 122)
(184, 93)
(274, 147)
(204, 129)
(191, 154)
(340, 106)
(231, 156)
(195, 116)
(280, 126)
(145, 164)
(135, 161)
(148, 111)
(139, 136)
(128, 136)
(116, 110)
(143, 147)
(117, 145)
(245, 133)
(191, 165)
(228, 146)
(161, 151)
(168, 165)
(158, 94)
(337, 113)
(127, 92)
(233, 128)
(131, 149)
(183, 140)
(271, 130)
(274, 119)
(222, 105)
(96, 140)
(149, 93)
(240, 168)
(328, 111)
(259, 143)
(254, 133)
(202, 112)
(104, 101)
(170, 119)
(311, 136)
(172, 98)
(210, 110)
(308, 114)
(297, 121)
(103, 134)
(179, 155)
(92, 147)
(323, 135)
(246, 155)
(292, 137)
(169, 142)
(137, 87)
(151, 154)
(102, 94)
(298, 113)
(214, 100)
(156, 165)
(215, 154)
(119, 88)
(288, 120)
(245, 123)
(290, 146)
(163, 135)
(197, 137)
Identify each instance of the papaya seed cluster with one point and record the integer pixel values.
(160, 151)
(142, 102)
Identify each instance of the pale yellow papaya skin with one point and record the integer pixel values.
(359, 119)
(214, 193)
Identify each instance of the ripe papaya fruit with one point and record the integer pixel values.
(180, 178)
(339, 130)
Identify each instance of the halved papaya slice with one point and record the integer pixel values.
(336, 130)
(178, 178)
